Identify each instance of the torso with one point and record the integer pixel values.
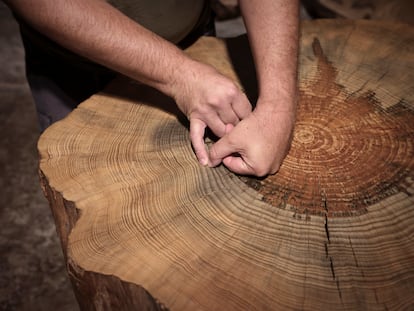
(171, 19)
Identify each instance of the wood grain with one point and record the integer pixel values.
(334, 229)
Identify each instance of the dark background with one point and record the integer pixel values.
(32, 271)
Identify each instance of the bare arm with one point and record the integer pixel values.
(105, 36)
(272, 27)
(96, 30)
(262, 139)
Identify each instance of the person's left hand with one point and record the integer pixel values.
(257, 145)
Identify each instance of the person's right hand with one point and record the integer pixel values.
(208, 99)
(258, 144)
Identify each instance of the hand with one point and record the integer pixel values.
(209, 99)
(257, 145)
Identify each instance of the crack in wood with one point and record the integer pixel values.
(332, 268)
(328, 242)
(325, 208)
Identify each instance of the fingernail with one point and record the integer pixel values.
(203, 162)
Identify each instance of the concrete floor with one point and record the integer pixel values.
(32, 272)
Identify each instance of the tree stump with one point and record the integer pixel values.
(143, 226)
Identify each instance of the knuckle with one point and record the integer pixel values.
(264, 170)
(261, 172)
(223, 95)
(275, 170)
(232, 91)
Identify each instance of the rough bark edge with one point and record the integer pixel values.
(93, 291)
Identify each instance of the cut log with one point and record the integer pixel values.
(144, 226)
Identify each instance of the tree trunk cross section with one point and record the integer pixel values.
(144, 227)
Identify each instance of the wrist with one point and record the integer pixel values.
(186, 70)
(277, 104)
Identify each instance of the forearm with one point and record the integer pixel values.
(272, 27)
(96, 30)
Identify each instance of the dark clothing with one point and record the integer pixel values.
(60, 80)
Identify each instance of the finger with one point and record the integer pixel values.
(237, 165)
(241, 106)
(228, 128)
(228, 116)
(219, 150)
(215, 124)
(197, 130)
(240, 165)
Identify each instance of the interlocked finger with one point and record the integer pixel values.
(242, 106)
(228, 117)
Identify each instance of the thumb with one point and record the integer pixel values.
(238, 165)
(220, 150)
